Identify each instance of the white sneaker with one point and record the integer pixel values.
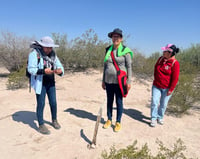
(153, 123)
(160, 121)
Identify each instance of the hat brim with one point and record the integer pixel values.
(47, 45)
(163, 48)
(166, 49)
(111, 33)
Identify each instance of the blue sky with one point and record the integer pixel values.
(151, 24)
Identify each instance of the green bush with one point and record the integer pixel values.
(17, 79)
(184, 96)
(143, 65)
(133, 152)
(187, 90)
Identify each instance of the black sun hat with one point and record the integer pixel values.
(115, 31)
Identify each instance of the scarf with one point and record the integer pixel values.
(119, 51)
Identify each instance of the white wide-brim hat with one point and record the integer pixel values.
(47, 41)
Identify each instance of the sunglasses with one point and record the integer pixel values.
(116, 36)
(167, 51)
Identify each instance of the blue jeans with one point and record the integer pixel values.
(111, 90)
(159, 102)
(50, 90)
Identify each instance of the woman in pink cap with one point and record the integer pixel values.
(166, 74)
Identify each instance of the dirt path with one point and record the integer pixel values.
(79, 97)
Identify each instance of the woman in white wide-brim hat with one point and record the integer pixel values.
(43, 64)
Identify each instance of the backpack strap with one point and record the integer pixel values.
(123, 48)
(173, 62)
(38, 57)
(160, 59)
(163, 58)
(110, 46)
(107, 49)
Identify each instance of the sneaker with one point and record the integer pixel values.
(55, 124)
(117, 127)
(43, 130)
(153, 123)
(107, 124)
(160, 121)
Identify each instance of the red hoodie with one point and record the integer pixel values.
(166, 73)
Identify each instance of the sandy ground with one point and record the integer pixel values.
(79, 97)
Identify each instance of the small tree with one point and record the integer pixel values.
(13, 50)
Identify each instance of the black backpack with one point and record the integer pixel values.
(35, 46)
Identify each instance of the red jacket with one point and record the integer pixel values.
(166, 73)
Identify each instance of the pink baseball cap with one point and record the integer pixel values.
(167, 48)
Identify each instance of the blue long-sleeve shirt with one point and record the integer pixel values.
(37, 70)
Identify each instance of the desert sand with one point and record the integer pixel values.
(79, 96)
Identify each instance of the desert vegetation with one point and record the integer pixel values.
(88, 51)
(133, 152)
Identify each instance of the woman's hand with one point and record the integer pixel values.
(169, 93)
(58, 71)
(103, 85)
(48, 71)
(128, 87)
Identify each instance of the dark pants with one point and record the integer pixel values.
(50, 90)
(111, 90)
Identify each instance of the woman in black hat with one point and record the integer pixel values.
(123, 57)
